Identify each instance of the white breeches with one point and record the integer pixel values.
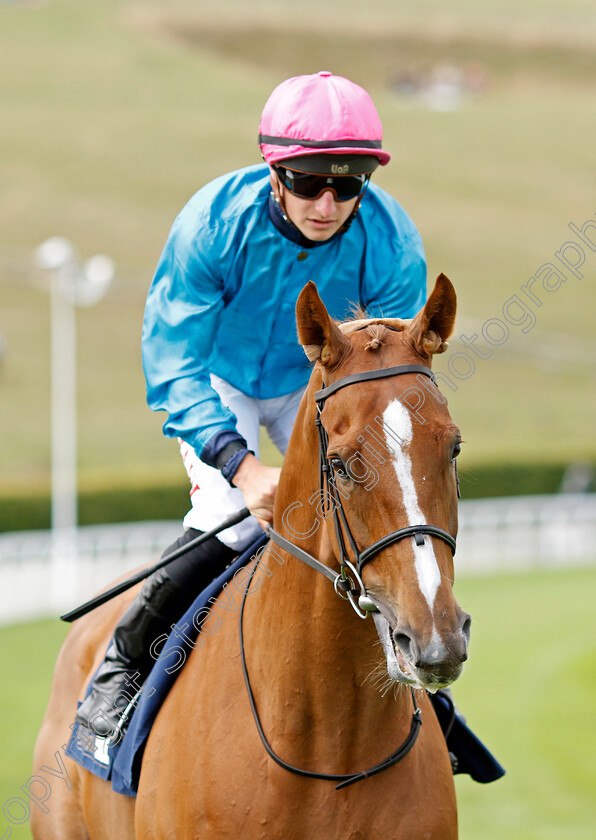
(212, 498)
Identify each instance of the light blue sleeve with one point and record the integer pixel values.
(395, 270)
(400, 290)
(181, 315)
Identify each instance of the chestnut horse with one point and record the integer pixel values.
(329, 697)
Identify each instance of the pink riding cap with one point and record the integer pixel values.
(320, 114)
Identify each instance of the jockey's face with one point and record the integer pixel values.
(317, 218)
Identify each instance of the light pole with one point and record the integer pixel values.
(71, 284)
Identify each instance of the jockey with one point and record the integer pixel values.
(220, 352)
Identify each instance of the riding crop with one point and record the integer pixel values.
(145, 573)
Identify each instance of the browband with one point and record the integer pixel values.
(367, 375)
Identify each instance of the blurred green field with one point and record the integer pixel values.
(115, 113)
(527, 691)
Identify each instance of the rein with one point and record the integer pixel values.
(348, 582)
(347, 779)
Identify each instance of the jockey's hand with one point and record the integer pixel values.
(258, 484)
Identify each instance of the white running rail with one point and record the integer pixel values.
(40, 579)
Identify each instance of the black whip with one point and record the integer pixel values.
(144, 573)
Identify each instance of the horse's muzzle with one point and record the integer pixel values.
(438, 663)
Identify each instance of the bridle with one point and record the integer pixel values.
(348, 582)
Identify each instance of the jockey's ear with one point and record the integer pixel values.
(430, 329)
(319, 335)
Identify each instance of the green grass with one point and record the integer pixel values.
(527, 691)
(535, 20)
(114, 113)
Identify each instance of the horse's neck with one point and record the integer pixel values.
(317, 671)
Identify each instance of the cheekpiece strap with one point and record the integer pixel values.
(300, 554)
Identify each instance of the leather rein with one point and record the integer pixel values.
(348, 582)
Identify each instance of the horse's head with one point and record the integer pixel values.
(391, 447)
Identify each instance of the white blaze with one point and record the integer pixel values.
(397, 419)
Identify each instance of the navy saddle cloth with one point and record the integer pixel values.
(120, 762)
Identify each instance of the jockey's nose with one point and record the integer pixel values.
(325, 203)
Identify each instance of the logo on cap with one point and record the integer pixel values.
(336, 169)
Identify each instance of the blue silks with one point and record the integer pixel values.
(223, 298)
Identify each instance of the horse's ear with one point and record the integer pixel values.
(433, 325)
(319, 335)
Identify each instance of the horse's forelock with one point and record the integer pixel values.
(378, 334)
(377, 330)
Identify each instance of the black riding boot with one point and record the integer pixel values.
(163, 599)
(128, 659)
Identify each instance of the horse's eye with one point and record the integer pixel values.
(456, 449)
(337, 465)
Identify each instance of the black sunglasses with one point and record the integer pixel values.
(304, 185)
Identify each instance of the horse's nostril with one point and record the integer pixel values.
(466, 628)
(403, 643)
